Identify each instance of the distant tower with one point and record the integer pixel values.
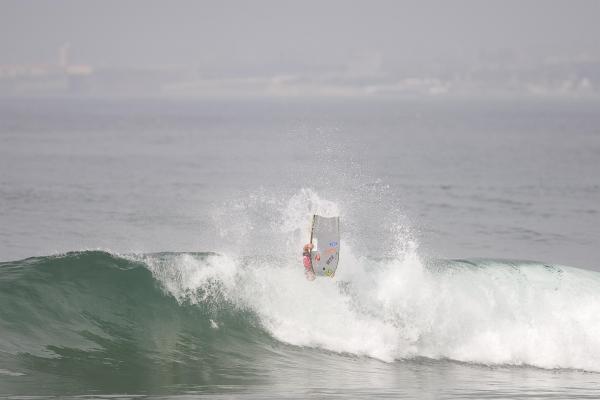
(63, 55)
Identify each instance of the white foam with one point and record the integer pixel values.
(10, 373)
(397, 308)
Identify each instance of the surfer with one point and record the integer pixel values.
(310, 275)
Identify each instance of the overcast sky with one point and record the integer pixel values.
(280, 36)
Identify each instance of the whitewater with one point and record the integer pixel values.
(493, 312)
(481, 311)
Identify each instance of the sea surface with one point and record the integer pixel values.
(151, 248)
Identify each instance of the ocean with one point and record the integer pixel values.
(152, 248)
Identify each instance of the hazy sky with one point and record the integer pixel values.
(280, 36)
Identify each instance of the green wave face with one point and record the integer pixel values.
(91, 320)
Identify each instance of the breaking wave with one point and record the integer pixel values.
(94, 314)
(241, 314)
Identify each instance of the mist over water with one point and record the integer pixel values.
(200, 209)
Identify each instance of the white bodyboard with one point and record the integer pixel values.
(325, 237)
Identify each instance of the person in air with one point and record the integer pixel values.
(308, 270)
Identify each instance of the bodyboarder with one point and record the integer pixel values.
(306, 260)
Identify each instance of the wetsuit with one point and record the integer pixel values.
(306, 261)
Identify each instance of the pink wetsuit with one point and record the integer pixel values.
(306, 261)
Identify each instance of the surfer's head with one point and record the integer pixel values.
(308, 246)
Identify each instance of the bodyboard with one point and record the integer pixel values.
(325, 237)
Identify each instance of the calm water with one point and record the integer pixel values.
(160, 186)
